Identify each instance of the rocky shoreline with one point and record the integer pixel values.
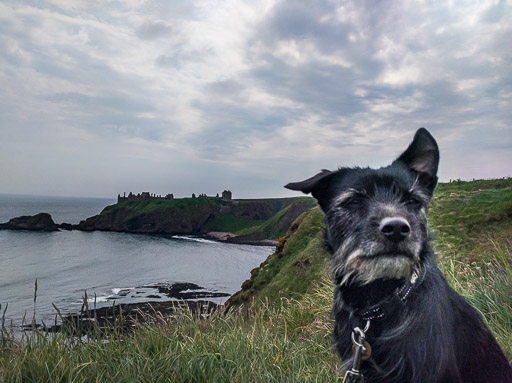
(175, 298)
(44, 222)
(223, 236)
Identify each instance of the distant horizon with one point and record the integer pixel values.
(290, 194)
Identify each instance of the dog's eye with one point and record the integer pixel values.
(413, 203)
(354, 201)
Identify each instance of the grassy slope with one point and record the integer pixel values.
(292, 271)
(232, 224)
(287, 340)
(272, 228)
(465, 214)
(277, 226)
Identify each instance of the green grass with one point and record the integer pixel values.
(232, 224)
(286, 336)
(272, 228)
(276, 226)
(138, 208)
(489, 288)
(288, 343)
(145, 207)
(293, 269)
(464, 213)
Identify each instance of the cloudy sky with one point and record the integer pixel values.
(101, 97)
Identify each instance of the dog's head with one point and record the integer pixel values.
(376, 218)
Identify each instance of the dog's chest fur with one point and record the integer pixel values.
(422, 330)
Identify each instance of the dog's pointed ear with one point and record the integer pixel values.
(422, 156)
(307, 186)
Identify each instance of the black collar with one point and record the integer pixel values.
(394, 302)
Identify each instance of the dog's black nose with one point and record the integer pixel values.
(395, 229)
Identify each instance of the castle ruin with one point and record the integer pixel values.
(147, 196)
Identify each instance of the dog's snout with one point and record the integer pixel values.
(395, 229)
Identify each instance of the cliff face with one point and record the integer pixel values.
(170, 217)
(250, 220)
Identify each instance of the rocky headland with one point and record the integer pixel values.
(256, 221)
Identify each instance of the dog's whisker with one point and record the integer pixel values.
(413, 186)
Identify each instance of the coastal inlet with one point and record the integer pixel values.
(118, 268)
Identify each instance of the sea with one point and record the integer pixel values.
(41, 272)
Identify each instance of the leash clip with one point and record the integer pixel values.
(362, 351)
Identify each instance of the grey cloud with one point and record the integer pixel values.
(113, 101)
(154, 29)
(319, 87)
(315, 21)
(497, 12)
(229, 127)
(113, 114)
(316, 84)
(169, 61)
(230, 88)
(330, 87)
(179, 55)
(297, 19)
(229, 121)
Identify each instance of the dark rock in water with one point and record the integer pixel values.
(185, 290)
(125, 317)
(67, 226)
(38, 222)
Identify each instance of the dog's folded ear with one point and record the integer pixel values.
(317, 185)
(422, 156)
(307, 186)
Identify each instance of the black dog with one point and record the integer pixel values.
(390, 294)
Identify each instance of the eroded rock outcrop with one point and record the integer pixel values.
(38, 222)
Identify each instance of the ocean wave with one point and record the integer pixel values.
(117, 293)
(193, 239)
(122, 291)
(201, 290)
(100, 299)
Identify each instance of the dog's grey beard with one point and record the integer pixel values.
(364, 265)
